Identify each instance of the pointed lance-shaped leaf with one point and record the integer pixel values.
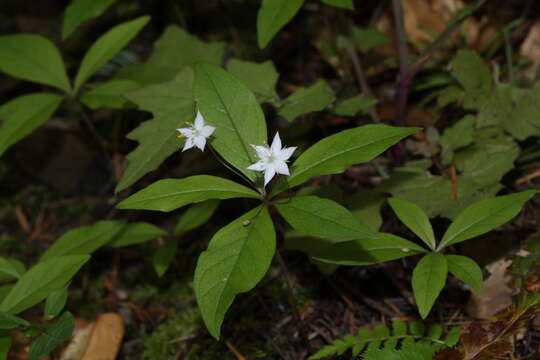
(466, 270)
(237, 258)
(322, 218)
(81, 10)
(238, 123)
(385, 247)
(38, 282)
(33, 58)
(84, 240)
(23, 115)
(171, 194)
(337, 152)
(415, 219)
(108, 45)
(483, 216)
(428, 279)
(272, 16)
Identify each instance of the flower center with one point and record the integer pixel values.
(271, 159)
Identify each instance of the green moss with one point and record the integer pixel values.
(166, 340)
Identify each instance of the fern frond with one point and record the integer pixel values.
(410, 351)
(401, 333)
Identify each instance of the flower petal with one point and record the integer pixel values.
(199, 121)
(207, 130)
(269, 174)
(187, 132)
(262, 151)
(189, 144)
(281, 168)
(200, 141)
(258, 166)
(276, 144)
(286, 153)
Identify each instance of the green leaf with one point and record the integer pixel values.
(355, 105)
(272, 16)
(490, 157)
(337, 152)
(52, 337)
(109, 94)
(5, 345)
(55, 303)
(11, 268)
(483, 216)
(516, 110)
(172, 105)
(164, 256)
(237, 258)
(38, 282)
(4, 291)
(238, 123)
(136, 233)
(316, 97)
(170, 56)
(368, 39)
(386, 247)
(261, 78)
(457, 136)
(466, 270)
(81, 10)
(84, 240)
(108, 45)
(33, 58)
(366, 206)
(8, 321)
(23, 115)
(474, 75)
(196, 216)
(170, 194)
(428, 279)
(434, 193)
(344, 4)
(415, 219)
(322, 218)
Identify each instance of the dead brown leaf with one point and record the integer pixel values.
(531, 50)
(496, 294)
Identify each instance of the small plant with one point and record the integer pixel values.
(430, 273)
(239, 254)
(407, 335)
(34, 58)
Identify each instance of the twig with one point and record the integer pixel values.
(528, 177)
(235, 351)
(22, 219)
(401, 37)
(97, 138)
(508, 54)
(454, 179)
(361, 77)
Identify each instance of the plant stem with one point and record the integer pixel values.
(401, 37)
(361, 78)
(406, 73)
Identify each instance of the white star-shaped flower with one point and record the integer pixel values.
(272, 159)
(197, 133)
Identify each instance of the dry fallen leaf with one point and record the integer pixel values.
(531, 50)
(496, 294)
(106, 338)
(99, 340)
